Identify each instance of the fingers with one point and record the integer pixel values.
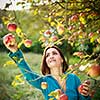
(84, 89)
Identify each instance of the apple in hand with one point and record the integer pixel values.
(80, 88)
(12, 27)
(44, 85)
(63, 97)
(28, 43)
(9, 39)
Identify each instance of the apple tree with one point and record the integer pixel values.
(75, 22)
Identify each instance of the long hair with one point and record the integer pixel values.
(44, 67)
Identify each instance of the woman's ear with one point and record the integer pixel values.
(62, 60)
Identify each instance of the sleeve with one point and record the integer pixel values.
(32, 78)
(81, 97)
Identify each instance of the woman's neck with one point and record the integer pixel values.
(56, 72)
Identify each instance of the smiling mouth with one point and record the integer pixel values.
(52, 61)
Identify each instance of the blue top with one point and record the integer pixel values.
(72, 81)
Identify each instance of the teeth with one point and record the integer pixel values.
(52, 60)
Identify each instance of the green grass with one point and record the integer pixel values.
(8, 73)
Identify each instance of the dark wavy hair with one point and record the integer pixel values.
(44, 67)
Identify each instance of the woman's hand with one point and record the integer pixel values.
(84, 88)
(10, 42)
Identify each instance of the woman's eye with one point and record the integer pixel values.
(47, 55)
(54, 53)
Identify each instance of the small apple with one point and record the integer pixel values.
(44, 85)
(80, 88)
(28, 43)
(74, 18)
(94, 71)
(54, 38)
(42, 38)
(60, 29)
(63, 97)
(71, 27)
(12, 27)
(47, 33)
(91, 34)
(9, 38)
(79, 54)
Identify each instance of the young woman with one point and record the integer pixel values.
(53, 67)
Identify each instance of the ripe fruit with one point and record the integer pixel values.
(94, 71)
(80, 88)
(54, 38)
(27, 43)
(47, 33)
(71, 28)
(63, 97)
(12, 27)
(91, 34)
(44, 85)
(79, 54)
(60, 29)
(9, 38)
(74, 18)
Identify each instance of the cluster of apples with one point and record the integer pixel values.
(12, 28)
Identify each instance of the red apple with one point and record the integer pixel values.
(91, 34)
(54, 38)
(28, 43)
(80, 88)
(71, 28)
(94, 71)
(74, 18)
(63, 97)
(79, 54)
(44, 85)
(47, 33)
(12, 27)
(9, 38)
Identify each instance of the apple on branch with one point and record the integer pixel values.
(11, 27)
(28, 43)
(94, 71)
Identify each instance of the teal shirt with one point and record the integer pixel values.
(72, 81)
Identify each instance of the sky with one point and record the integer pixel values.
(11, 7)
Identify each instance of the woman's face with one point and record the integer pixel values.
(53, 58)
